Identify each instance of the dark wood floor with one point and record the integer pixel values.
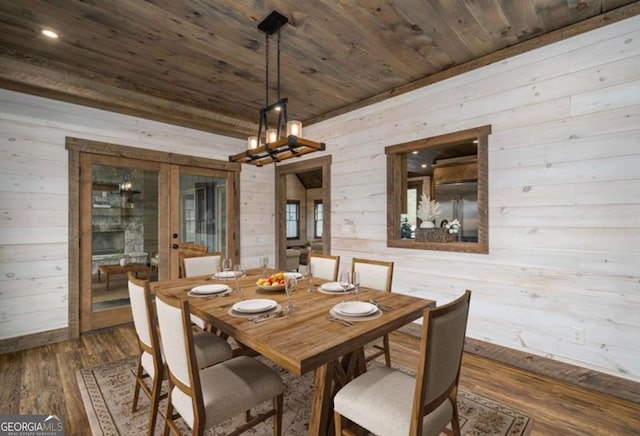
(43, 381)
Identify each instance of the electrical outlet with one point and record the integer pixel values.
(578, 335)
(5, 314)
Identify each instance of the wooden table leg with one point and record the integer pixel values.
(329, 379)
(322, 405)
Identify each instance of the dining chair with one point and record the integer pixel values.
(202, 264)
(375, 274)
(188, 249)
(199, 265)
(210, 349)
(206, 397)
(324, 266)
(388, 402)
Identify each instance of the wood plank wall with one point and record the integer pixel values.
(34, 198)
(564, 198)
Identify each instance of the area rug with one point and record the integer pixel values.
(107, 393)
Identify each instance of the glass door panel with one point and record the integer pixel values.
(121, 198)
(124, 230)
(203, 210)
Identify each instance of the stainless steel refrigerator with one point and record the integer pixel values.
(459, 201)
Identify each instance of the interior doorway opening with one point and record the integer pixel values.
(303, 211)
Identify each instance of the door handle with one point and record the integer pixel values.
(174, 246)
(175, 236)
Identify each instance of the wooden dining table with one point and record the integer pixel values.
(305, 339)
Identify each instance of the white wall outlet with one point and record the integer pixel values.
(578, 335)
(5, 314)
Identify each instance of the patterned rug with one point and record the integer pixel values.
(107, 392)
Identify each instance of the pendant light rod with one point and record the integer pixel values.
(278, 60)
(266, 64)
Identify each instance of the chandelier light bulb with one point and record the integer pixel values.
(294, 128)
(272, 135)
(252, 142)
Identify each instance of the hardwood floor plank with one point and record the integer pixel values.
(43, 380)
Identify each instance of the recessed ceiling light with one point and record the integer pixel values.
(415, 152)
(423, 165)
(50, 34)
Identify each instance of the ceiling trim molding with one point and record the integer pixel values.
(37, 76)
(587, 25)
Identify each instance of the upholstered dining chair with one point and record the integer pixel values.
(388, 402)
(210, 349)
(324, 266)
(375, 274)
(201, 265)
(204, 398)
(188, 249)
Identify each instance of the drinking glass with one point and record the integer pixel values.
(264, 263)
(355, 279)
(226, 264)
(290, 283)
(238, 273)
(344, 280)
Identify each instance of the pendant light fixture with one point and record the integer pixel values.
(282, 139)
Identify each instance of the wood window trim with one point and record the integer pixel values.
(396, 179)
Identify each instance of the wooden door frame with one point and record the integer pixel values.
(282, 171)
(77, 147)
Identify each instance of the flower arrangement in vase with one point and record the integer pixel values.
(428, 211)
(453, 226)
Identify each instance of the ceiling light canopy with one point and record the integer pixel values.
(281, 139)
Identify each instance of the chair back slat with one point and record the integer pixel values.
(324, 266)
(374, 274)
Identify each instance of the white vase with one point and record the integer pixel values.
(427, 225)
(123, 262)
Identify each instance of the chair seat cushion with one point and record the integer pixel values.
(229, 389)
(381, 401)
(210, 349)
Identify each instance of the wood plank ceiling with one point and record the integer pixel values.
(200, 63)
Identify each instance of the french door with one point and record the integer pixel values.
(131, 213)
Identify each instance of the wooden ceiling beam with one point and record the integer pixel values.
(28, 74)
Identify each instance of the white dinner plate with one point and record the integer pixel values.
(355, 308)
(334, 287)
(255, 305)
(226, 274)
(209, 289)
